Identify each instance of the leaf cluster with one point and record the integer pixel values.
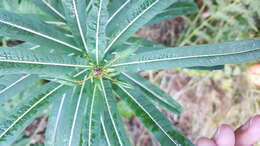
(86, 51)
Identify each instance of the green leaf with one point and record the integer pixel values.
(24, 61)
(39, 49)
(23, 142)
(124, 110)
(146, 45)
(123, 52)
(20, 117)
(218, 67)
(115, 7)
(117, 135)
(57, 119)
(154, 93)
(67, 118)
(130, 20)
(93, 129)
(35, 31)
(75, 12)
(152, 118)
(117, 13)
(57, 4)
(12, 85)
(177, 9)
(20, 6)
(191, 56)
(97, 18)
(46, 6)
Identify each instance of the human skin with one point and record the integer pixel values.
(247, 135)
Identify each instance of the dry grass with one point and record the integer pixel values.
(209, 99)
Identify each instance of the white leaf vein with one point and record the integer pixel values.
(148, 114)
(42, 63)
(182, 57)
(75, 116)
(110, 113)
(91, 114)
(53, 9)
(28, 110)
(117, 12)
(146, 88)
(105, 131)
(129, 25)
(14, 83)
(79, 25)
(97, 30)
(41, 35)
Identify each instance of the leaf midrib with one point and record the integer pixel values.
(28, 110)
(117, 11)
(53, 9)
(129, 25)
(147, 113)
(105, 131)
(58, 117)
(76, 113)
(91, 114)
(146, 88)
(184, 57)
(14, 83)
(41, 34)
(109, 111)
(79, 25)
(43, 63)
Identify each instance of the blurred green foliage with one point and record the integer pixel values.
(221, 21)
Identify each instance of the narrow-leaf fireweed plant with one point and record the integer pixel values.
(88, 58)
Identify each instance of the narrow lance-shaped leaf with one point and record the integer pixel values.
(133, 20)
(105, 131)
(177, 9)
(146, 45)
(21, 7)
(15, 84)
(116, 135)
(75, 11)
(55, 119)
(66, 118)
(101, 136)
(25, 61)
(46, 6)
(92, 133)
(191, 56)
(152, 118)
(35, 31)
(117, 12)
(77, 120)
(218, 67)
(39, 49)
(97, 18)
(115, 7)
(21, 116)
(57, 4)
(154, 93)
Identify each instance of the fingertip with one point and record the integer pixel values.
(256, 119)
(205, 142)
(249, 133)
(224, 136)
(254, 125)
